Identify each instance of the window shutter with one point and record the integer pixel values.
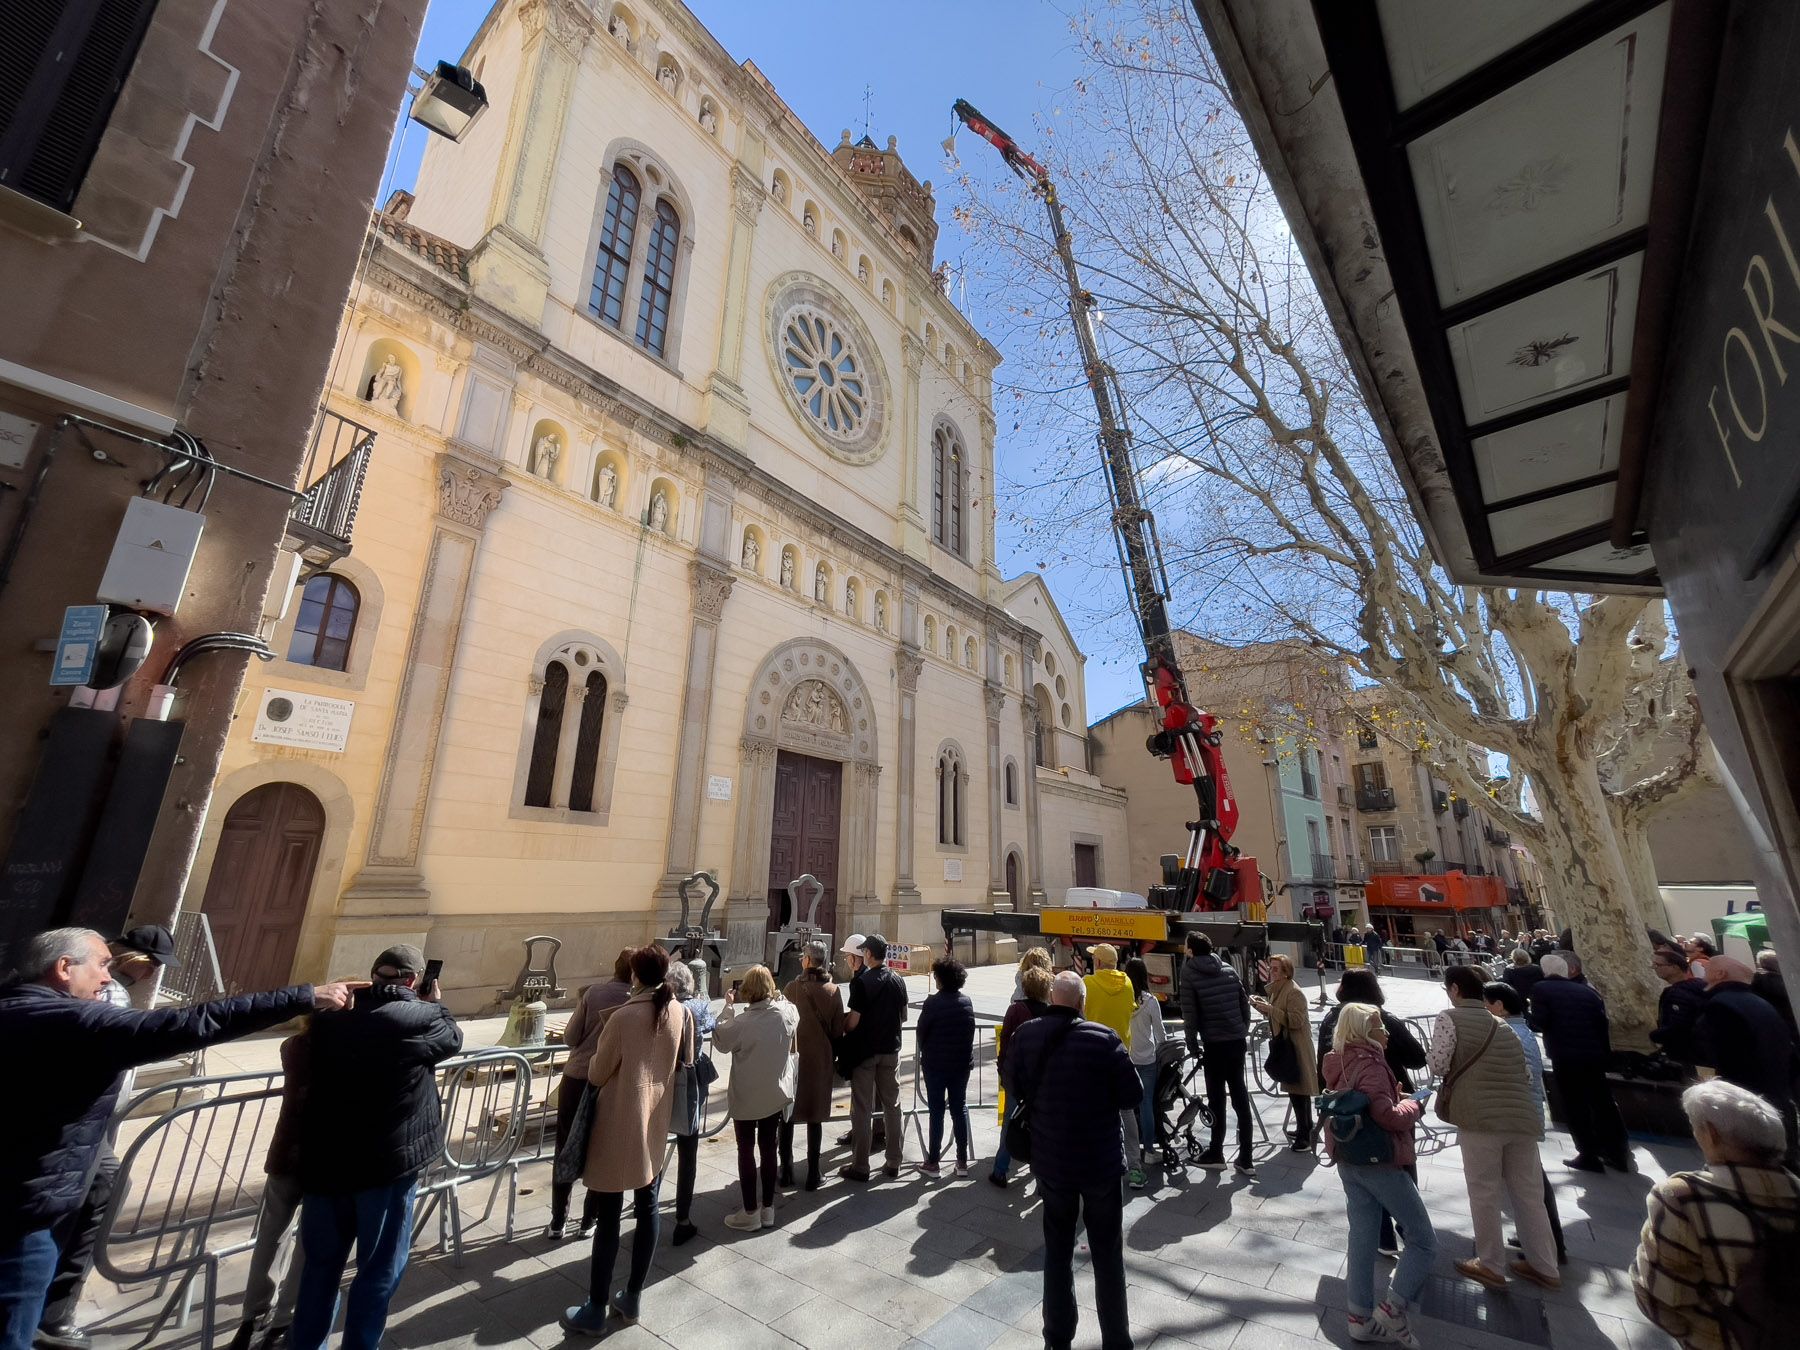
(62, 64)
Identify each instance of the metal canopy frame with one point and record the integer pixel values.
(1381, 134)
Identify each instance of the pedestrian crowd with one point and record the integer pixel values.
(1090, 1075)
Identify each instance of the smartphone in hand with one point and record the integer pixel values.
(1422, 1096)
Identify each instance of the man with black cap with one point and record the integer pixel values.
(368, 1125)
(877, 1014)
(136, 956)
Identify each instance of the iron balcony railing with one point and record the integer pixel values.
(1497, 837)
(1374, 799)
(1352, 869)
(1460, 808)
(1324, 869)
(336, 467)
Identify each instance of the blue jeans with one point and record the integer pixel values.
(947, 1089)
(378, 1222)
(1367, 1192)
(27, 1263)
(1147, 1111)
(1003, 1159)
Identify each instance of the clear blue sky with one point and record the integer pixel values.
(1013, 59)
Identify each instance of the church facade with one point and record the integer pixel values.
(676, 552)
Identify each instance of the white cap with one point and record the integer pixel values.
(853, 945)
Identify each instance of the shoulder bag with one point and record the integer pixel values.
(1018, 1114)
(1443, 1092)
(571, 1157)
(1283, 1063)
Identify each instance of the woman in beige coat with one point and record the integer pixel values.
(1285, 1007)
(634, 1068)
(821, 1010)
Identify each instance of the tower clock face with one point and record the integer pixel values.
(828, 364)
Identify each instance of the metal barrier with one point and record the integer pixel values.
(485, 1101)
(987, 1058)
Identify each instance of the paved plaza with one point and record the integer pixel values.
(1212, 1260)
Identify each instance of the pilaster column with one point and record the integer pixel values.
(907, 664)
(507, 266)
(749, 880)
(727, 407)
(711, 586)
(1034, 830)
(390, 882)
(864, 817)
(915, 538)
(995, 697)
(991, 581)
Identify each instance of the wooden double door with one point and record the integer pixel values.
(804, 834)
(261, 878)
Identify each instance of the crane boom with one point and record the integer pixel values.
(1209, 874)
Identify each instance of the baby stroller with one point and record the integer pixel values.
(1181, 1111)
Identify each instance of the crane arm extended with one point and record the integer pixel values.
(1187, 737)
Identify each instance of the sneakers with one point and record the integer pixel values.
(998, 1179)
(963, 1169)
(1385, 1326)
(768, 1216)
(1135, 1179)
(747, 1221)
(1391, 1250)
(558, 1230)
(1526, 1271)
(930, 1169)
(1474, 1270)
(1213, 1162)
(1245, 1168)
(586, 1231)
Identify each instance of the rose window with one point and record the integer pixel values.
(823, 369)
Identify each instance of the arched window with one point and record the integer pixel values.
(659, 280)
(326, 623)
(541, 777)
(612, 264)
(949, 491)
(1012, 783)
(567, 765)
(1046, 726)
(951, 806)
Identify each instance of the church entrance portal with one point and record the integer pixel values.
(804, 833)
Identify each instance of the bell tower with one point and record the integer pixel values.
(896, 196)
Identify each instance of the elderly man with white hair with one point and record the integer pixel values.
(1571, 1017)
(1071, 1078)
(1741, 1038)
(1696, 1271)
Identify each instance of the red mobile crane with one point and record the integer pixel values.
(1212, 875)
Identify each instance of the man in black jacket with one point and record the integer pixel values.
(1741, 1038)
(1571, 1016)
(69, 1049)
(1077, 1078)
(1678, 1006)
(368, 1126)
(877, 1014)
(1215, 1010)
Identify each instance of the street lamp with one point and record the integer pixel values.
(449, 101)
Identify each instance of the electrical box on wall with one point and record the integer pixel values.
(150, 559)
(281, 586)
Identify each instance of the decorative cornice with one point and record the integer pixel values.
(568, 21)
(467, 493)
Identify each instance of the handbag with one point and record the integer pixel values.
(1443, 1092)
(1283, 1063)
(571, 1157)
(1018, 1111)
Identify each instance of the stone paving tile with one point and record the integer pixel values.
(1263, 1306)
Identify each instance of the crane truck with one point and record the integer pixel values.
(1211, 887)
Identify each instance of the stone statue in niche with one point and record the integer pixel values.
(813, 705)
(778, 190)
(659, 511)
(940, 277)
(881, 613)
(667, 78)
(862, 270)
(787, 570)
(387, 386)
(606, 487)
(820, 584)
(709, 120)
(621, 34)
(752, 553)
(545, 454)
(837, 249)
(850, 598)
(810, 225)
